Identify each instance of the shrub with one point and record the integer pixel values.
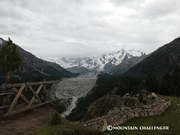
(56, 119)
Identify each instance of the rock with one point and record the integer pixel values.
(115, 110)
(154, 95)
(151, 113)
(104, 127)
(125, 118)
(136, 115)
(130, 115)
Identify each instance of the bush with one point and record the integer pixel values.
(140, 98)
(56, 119)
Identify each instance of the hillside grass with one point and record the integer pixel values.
(64, 128)
(171, 118)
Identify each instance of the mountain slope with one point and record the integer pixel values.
(163, 60)
(33, 68)
(99, 63)
(126, 65)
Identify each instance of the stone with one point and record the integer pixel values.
(104, 127)
(154, 95)
(136, 115)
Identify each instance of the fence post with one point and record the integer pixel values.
(5, 97)
(44, 90)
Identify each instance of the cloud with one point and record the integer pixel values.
(159, 8)
(120, 2)
(86, 27)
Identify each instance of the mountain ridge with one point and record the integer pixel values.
(161, 61)
(99, 63)
(35, 69)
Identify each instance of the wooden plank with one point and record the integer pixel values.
(31, 83)
(3, 107)
(33, 98)
(22, 95)
(43, 82)
(17, 97)
(36, 93)
(26, 109)
(4, 94)
(14, 85)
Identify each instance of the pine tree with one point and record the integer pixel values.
(152, 83)
(176, 80)
(166, 86)
(10, 60)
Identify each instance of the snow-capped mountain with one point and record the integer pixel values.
(100, 63)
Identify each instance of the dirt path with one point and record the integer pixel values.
(25, 122)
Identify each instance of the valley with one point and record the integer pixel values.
(91, 91)
(86, 67)
(74, 88)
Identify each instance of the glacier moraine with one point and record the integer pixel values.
(74, 88)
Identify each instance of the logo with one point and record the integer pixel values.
(109, 128)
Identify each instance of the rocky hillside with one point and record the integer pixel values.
(130, 108)
(101, 106)
(163, 60)
(99, 63)
(33, 68)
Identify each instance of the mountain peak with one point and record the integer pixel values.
(101, 62)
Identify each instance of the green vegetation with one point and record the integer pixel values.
(169, 118)
(64, 128)
(56, 119)
(10, 60)
(140, 98)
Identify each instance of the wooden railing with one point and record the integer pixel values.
(9, 109)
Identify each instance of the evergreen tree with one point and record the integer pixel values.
(177, 90)
(10, 59)
(166, 86)
(176, 80)
(152, 83)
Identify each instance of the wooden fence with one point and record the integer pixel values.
(8, 109)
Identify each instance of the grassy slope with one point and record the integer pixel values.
(65, 128)
(171, 118)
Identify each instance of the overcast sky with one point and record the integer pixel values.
(56, 28)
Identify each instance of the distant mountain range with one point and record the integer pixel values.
(35, 69)
(161, 61)
(100, 63)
